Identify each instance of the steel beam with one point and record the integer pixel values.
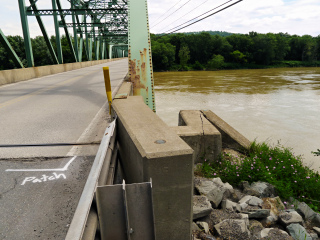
(44, 33)
(26, 34)
(75, 35)
(140, 62)
(97, 49)
(87, 40)
(57, 31)
(65, 12)
(103, 49)
(9, 49)
(66, 30)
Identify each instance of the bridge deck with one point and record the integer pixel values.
(40, 186)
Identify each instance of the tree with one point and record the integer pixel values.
(216, 62)
(238, 57)
(282, 47)
(184, 55)
(17, 44)
(263, 48)
(41, 52)
(163, 55)
(310, 46)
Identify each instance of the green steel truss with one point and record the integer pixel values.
(96, 24)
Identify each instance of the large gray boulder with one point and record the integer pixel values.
(201, 207)
(305, 211)
(255, 201)
(195, 228)
(231, 195)
(316, 220)
(270, 220)
(263, 188)
(204, 226)
(259, 213)
(298, 232)
(287, 218)
(255, 227)
(233, 229)
(219, 183)
(245, 199)
(231, 206)
(271, 233)
(274, 204)
(209, 189)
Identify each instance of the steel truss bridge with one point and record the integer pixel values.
(102, 29)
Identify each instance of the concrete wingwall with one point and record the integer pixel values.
(22, 74)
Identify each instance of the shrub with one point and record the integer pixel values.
(276, 165)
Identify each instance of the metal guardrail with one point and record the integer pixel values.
(100, 165)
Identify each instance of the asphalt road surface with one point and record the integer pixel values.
(40, 186)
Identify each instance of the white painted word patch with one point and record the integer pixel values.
(44, 178)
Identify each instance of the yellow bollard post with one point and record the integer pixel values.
(108, 86)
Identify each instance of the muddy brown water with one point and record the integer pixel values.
(266, 104)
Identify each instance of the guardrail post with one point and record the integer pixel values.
(108, 86)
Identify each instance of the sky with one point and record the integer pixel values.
(288, 16)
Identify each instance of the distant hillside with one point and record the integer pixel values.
(220, 33)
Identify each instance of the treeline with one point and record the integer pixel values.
(40, 51)
(203, 50)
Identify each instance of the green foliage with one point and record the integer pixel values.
(253, 50)
(184, 55)
(17, 44)
(40, 51)
(238, 57)
(163, 54)
(273, 164)
(216, 62)
(197, 66)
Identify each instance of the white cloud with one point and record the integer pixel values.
(292, 16)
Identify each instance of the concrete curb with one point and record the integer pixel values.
(23, 74)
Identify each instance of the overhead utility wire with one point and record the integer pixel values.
(205, 17)
(167, 11)
(173, 13)
(200, 15)
(187, 13)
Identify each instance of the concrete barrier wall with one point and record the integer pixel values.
(22, 74)
(148, 148)
(203, 137)
(231, 138)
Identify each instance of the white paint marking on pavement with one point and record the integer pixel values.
(44, 178)
(65, 168)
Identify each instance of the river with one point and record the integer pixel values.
(270, 105)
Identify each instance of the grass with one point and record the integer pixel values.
(276, 165)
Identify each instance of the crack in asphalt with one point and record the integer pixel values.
(12, 188)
